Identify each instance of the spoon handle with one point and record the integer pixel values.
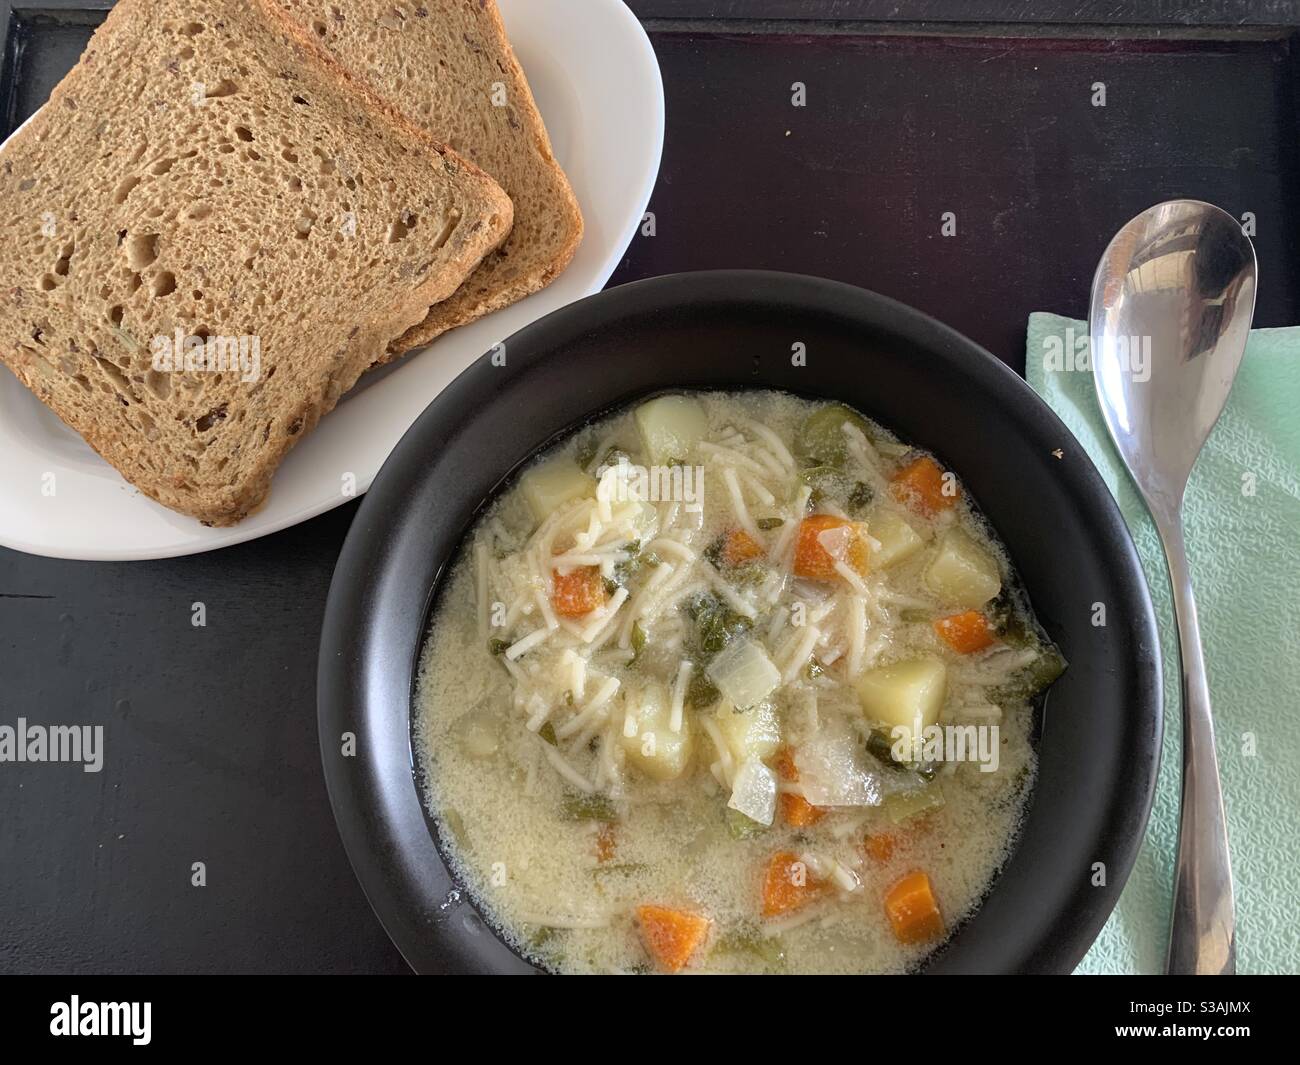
(1202, 939)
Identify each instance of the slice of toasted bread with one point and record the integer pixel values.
(209, 232)
(449, 67)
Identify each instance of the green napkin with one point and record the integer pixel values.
(1242, 517)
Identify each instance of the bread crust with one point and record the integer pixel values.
(453, 312)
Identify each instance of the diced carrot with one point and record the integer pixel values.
(788, 885)
(739, 547)
(799, 812)
(920, 484)
(606, 842)
(578, 592)
(784, 765)
(671, 936)
(879, 847)
(913, 910)
(811, 558)
(966, 632)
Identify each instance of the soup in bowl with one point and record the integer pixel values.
(730, 682)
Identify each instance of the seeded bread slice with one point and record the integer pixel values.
(449, 67)
(208, 171)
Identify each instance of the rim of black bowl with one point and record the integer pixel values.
(378, 608)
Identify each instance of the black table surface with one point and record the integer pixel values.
(210, 732)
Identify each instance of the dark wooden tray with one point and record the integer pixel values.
(978, 107)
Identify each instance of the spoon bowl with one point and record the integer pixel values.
(1172, 305)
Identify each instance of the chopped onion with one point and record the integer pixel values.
(478, 734)
(754, 792)
(834, 770)
(744, 674)
(836, 542)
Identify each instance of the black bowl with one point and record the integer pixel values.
(1099, 732)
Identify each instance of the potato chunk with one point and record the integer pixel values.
(652, 746)
(898, 540)
(553, 483)
(904, 692)
(962, 573)
(752, 733)
(670, 426)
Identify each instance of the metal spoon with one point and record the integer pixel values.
(1171, 307)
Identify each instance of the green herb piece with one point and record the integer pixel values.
(742, 827)
(1008, 620)
(768, 524)
(701, 691)
(1045, 669)
(881, 748)
(916, 615)
(749, 940)
(613, 455)
(698, 604)
(828, 484)
(587, 808)
(822, 433)
(1031, 680)
(906, 805)
(628, 568)
(860, 498)
(716, 624)
(814, 669)
(721, 628)
(541, 936)
(816, 476)
(638, 640)
(547, 732)
(749, 575)
(497, 646)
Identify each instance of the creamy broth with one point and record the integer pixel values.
(627, 679)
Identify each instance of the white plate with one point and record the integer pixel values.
(597, 82)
